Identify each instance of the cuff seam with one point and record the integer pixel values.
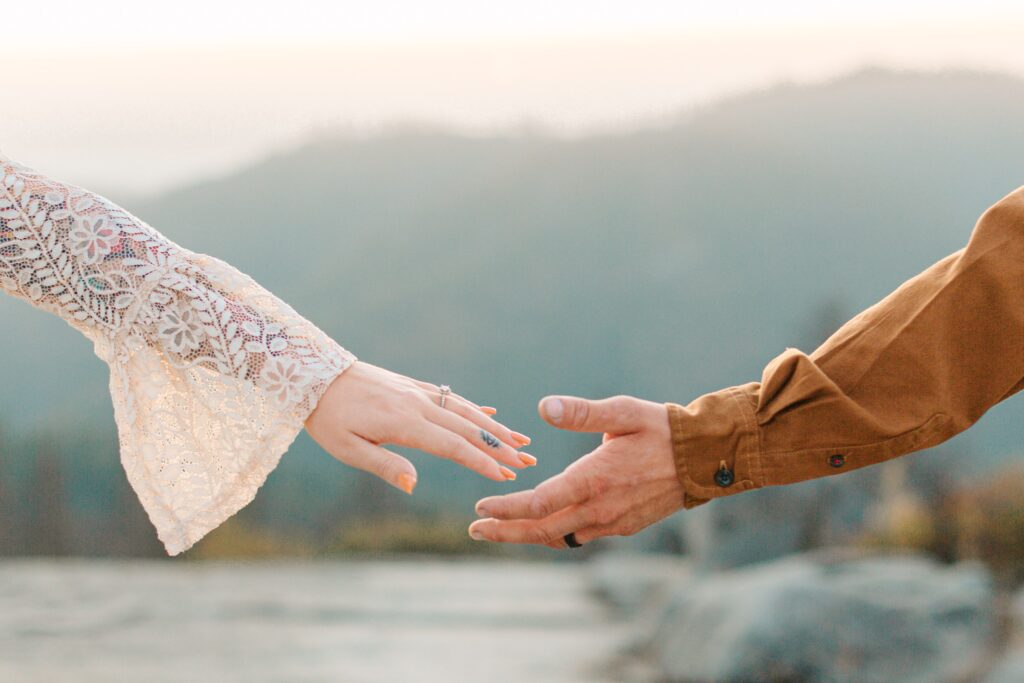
(752, 455)
(697, 492)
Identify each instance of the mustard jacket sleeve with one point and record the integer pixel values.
(909, 372)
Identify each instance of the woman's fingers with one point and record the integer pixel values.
(478, 415)
(435, 391)
(513, 439)
(482, 439)
(472, 407)
(429, 437)
(391, 467)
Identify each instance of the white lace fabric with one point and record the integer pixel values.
(211, 376)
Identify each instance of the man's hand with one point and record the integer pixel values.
(625, 485)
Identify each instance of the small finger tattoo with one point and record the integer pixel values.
(489, 438)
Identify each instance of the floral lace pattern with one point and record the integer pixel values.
(211, 376)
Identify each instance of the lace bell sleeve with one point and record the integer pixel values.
(211, 376)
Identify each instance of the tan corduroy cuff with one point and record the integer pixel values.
(715, 444)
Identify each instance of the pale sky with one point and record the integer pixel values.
(210, 21)
(139, 96)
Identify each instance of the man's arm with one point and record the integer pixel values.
(915, 369)
(910, 372)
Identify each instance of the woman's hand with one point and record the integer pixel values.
(367, 406)
(625, 485)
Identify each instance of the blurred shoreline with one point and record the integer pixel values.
(316, 620)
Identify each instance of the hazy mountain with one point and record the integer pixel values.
(665, 263)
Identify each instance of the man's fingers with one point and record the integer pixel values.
(547, 531)
(612, 514)
(558, 492)
(592, 533)
(617, 415)
(391, 467)
(632, 521)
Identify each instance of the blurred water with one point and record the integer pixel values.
(88, 620)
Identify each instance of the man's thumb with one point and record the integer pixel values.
(578, 414)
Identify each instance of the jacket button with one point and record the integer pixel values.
(837, 460)
(724, 476)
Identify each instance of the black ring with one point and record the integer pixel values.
(570, 540)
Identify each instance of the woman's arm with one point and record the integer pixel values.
(212, 376)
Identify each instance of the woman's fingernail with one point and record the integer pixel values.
(554, 409)
(476, 535)
(489, 410)
(528, 459)
(481, 511)
(407, 483)
(522, 439)
(507, 473)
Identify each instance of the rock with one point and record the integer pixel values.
(1016, 615)
(810, 618)
(1009, 670)
(629, 582)
(770, 523)
(661, 537)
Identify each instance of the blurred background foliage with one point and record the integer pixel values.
(979, 520)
